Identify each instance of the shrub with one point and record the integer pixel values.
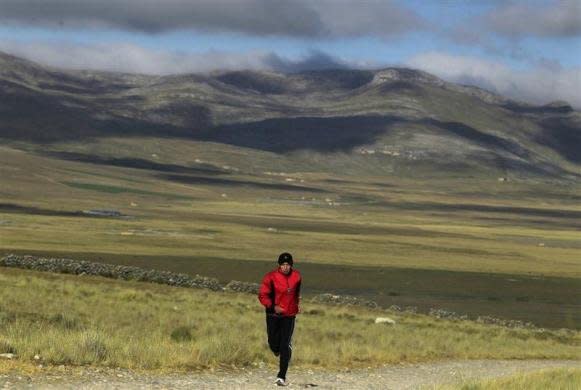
(181, 334)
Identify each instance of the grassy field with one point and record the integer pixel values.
(75, 320)
(546, 301)
(471, 244)
(561, 379)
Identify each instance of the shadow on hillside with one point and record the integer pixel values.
(563, 136)
(214, 181)
(342, 134)
(547, 109)
(537, 223)
(137, 163)
(281, 135)
(356, 183)
(39, 117)
(10, 208)
(523, 211)
(478, 137)
(559, 133)
(312, 81)
(253, 82)
(29, 115)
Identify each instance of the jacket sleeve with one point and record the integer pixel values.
(299, 291)
(264, 294)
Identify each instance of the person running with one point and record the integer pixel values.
(279, 294)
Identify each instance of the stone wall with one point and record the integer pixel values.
(243, 287)
(343, 300)
(80, 267)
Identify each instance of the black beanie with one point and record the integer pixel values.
(285, 258)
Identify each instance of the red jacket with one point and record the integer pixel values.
(282, 290)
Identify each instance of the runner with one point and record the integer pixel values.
(280, 294)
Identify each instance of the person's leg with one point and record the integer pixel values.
(287, 327)
(273, 331)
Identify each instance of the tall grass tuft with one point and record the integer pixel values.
(65, 321)
(6, 346)
(92, 347)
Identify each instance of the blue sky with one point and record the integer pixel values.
(528, 50)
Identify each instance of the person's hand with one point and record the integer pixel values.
(299, 310)
(278, 309)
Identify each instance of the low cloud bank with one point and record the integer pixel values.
(541, 84)
(130, 58)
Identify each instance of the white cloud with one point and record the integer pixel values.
(541, 84)
(131, 58)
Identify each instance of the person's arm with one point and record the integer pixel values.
(299, 294)
(265, 291)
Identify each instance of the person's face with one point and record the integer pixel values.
(285, 268)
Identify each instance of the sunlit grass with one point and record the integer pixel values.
(93, 321)
(557, 379)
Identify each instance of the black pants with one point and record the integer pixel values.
(280, 332)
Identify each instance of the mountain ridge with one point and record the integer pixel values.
(377, 75)
(388, 113)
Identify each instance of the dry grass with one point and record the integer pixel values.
(92, 321)
(555, 379)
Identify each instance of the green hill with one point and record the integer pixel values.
(382, 122)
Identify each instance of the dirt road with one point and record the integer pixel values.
(387, 377)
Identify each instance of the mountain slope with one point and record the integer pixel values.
(386, 121)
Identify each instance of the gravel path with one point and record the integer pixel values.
(387, 377)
